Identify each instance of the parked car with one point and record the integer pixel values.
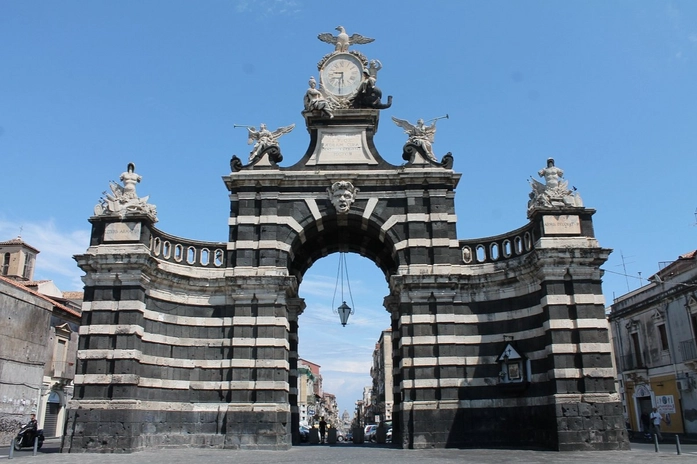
(388, 437)
(349, 436)
(369, 433)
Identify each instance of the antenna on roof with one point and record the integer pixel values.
(624, 268)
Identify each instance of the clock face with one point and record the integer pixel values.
(342, 74)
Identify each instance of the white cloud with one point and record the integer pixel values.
(317, 286)
(342, 366)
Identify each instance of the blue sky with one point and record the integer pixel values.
(607, 88)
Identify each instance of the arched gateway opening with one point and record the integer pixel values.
(349, 359)
(500, 341)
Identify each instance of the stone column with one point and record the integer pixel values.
(587, 408)
(104, 411)
(296, 306)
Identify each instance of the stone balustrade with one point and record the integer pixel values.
(187, 252)
(500, 247)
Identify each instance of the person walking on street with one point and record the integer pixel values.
(656, 419)
(322, 429)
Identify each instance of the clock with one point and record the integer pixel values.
(341, 74)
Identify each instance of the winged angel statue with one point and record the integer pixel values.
(264, 139)
(342, 41)
(420, 135)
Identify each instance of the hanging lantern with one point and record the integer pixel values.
(344, 312)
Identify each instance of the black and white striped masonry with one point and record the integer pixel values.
(190, 343)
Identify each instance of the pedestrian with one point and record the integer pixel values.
(645, 423)
(656, 419)
(322, 429)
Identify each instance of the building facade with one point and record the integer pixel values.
(382, 397)
(654, 333)
(38, 345)
(307, 402)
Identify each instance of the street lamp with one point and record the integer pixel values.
(344, 312)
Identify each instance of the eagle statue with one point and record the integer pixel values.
(342, 41)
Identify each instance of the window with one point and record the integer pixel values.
(6, 264)
(28, 264)
(60, 355)
(664, 338)
(639, 360)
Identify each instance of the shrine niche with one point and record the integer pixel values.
(500, 341)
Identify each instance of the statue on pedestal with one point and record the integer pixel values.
(420, 135)
(554, 192)
(264, 139)
(123, 199)
(315, 101)
(368, 94)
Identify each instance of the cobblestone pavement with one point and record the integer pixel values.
(356, 454)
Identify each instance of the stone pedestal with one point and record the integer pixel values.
(331, 436)
(358, 435)
(314, 436)
(381, 434)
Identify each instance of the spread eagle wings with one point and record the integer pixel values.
(354, 39)
(328, 37)
(359, 39)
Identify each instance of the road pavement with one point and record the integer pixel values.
(368, 453)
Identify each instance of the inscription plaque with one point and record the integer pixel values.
(562, 224)
(341, 146)
(122, 231)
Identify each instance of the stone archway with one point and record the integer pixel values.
(186, 342)
(349, 233)
(190, 343)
